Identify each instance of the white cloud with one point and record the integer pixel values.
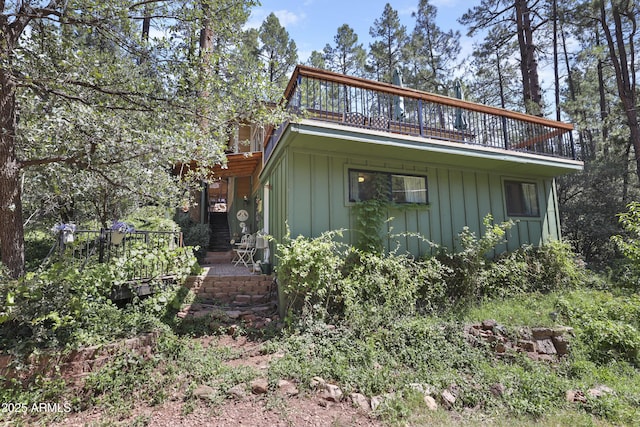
(287, 17)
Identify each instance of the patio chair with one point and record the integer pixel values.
(245, 250)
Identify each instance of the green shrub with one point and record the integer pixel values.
(464, 281)
(548, 268)
(629, 244)
(37, 244)
(608, 326)
(325, 278)
(63, 306)
(194, 234)
(309, 271)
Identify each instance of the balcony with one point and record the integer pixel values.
(320, 95)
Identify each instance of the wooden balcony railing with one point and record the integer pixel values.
(323, 95)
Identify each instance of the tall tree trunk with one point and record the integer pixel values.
(528, 64)
(556, 71)
(624, 65)
(588, 151)
(206, 49)
(11, 228)
(500, 79)
(604, 113)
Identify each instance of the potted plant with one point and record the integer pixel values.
(65, 231)
(118, 230)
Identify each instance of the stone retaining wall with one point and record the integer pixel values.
(546, 344)
(76, 364)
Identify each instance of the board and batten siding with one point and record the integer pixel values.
(310, 194)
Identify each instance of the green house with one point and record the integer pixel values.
(446, 163)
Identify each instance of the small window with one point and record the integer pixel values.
(367, 185)
(522, 198)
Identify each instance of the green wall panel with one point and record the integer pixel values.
(310, 192)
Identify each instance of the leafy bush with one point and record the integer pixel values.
(37, 244)
(326, 278)
(608, 326)
(529, 269)
(629, 245)
(194, 234)
(309, 271)
(464, 281)
(63, 306)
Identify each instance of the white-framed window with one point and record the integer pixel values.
(397, 188)
(521, 198)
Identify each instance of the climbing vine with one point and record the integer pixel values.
(371, 214)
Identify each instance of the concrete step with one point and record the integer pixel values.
(218, 257)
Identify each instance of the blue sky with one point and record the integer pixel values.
(313, 23)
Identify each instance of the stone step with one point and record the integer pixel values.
(218, 257)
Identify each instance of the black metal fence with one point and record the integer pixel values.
(84, 247)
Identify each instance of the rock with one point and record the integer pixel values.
(562, 330)
(473, 330)
(242, 299)
(376, 401)
(233, 314)
(528, 346)
(570, 396)
(423, 388)
(287, 388)
(541, 333)
(317, 382)
(575, 396)
(205, 392)
(561, 344)
(500, 348)
(545, 346)
(499, 329)
(259, 386)
(488, 325)
(238, 391)
(431, 403)
(331, 393)
(547, 358)
(497, 389)
(599, 391)
(360, 401)
(448, 399)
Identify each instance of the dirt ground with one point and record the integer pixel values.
(308, 410)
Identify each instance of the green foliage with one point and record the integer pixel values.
(37, 245)
(629, 245)
(309, 271)
(589, 201)
(608, 325)
(323, 278)
(371, 214)
(530, 269)
(194, 234)
(467, 264)
(388, 358)
(63, 306)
